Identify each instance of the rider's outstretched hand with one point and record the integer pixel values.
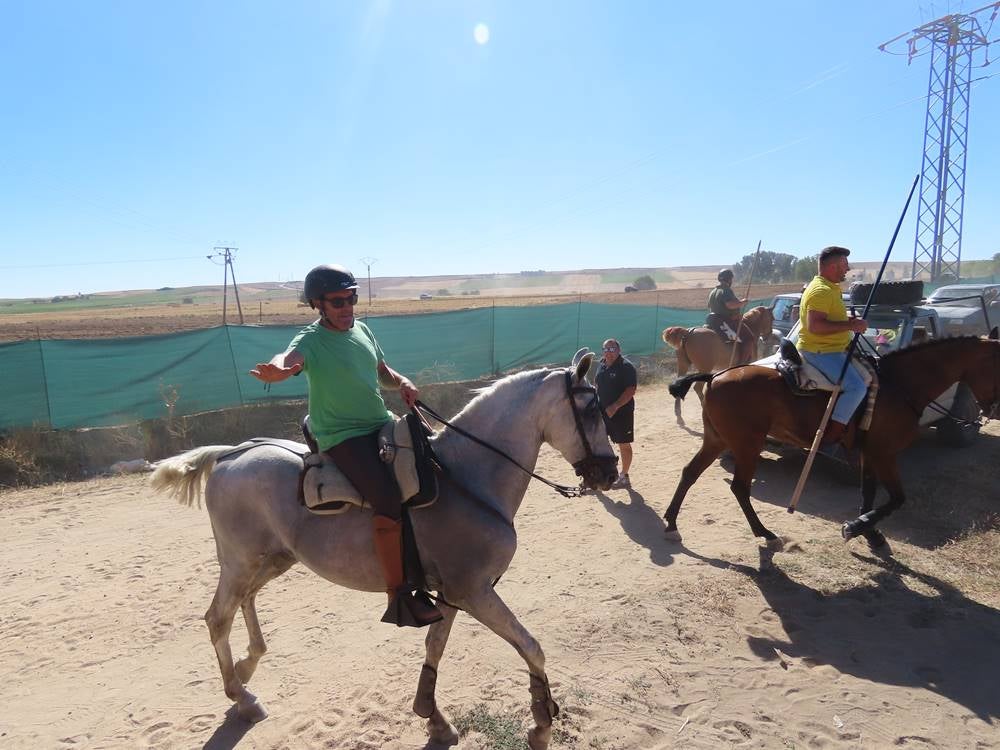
(272, 373)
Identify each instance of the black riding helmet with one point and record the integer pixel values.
(724, 274)
(325, 279)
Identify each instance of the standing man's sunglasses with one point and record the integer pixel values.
(339, 302)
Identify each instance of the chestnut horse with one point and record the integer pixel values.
(703, 348)
(744, 405)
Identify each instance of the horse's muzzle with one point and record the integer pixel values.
(597, 472)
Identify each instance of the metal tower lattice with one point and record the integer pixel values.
(951, 42)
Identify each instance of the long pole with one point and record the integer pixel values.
(818, 437)
(739, 328)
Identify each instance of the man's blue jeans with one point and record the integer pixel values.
(852, 389)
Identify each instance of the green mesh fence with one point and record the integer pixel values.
(102, 382)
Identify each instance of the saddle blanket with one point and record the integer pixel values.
(324, 488)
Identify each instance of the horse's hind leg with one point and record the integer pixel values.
(439, 729)
(683, 365)
(711, 449)
(233, 589)
(490, 610)
(274, 567)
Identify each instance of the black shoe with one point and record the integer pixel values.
(412, 609)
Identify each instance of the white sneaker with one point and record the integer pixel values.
(622, 483)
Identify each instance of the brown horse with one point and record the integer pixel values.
(746, 404)
(705, 350)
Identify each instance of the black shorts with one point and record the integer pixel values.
(620, 426)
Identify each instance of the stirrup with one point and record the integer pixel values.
(413, 609)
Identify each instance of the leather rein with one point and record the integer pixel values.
(580, 466)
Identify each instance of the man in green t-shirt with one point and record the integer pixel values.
(825, 333)
(345, 366)
(724, 308)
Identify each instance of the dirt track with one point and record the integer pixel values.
(708, 643)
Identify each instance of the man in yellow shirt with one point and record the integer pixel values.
(825, 334)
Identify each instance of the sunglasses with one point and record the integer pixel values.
(339, 302)
(611, 348)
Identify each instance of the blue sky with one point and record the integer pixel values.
(138, 135)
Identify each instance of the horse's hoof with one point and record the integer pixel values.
(777, 544)
(251, 710)
(441, 731)
(848, 530)
(672, 535)
(538, 738)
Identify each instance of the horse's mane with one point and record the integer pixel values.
(928, 344)
(509, 381)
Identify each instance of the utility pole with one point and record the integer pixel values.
(369, 262)
(226, 254)
(951, 42)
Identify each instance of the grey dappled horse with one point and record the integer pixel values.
(466, 539)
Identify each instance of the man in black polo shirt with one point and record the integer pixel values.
(616, 384)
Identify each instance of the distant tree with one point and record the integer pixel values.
(771, 268)
(805, 268)
(996, 263)
(443, 292)
(644, 283)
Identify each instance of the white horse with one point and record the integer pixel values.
(466, 539)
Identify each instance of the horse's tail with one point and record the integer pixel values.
(181, 476)
(680, 387)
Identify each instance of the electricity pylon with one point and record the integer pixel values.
(952, 42)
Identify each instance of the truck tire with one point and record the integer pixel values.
(952, 433)
(889, 293)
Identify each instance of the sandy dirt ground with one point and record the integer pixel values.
(711, 642)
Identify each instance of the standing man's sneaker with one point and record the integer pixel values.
(622, 483)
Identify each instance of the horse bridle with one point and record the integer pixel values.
(581, 467)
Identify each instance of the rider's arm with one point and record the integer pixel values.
(735, 304)
(281, 367)
(389, 378)
(818, 322)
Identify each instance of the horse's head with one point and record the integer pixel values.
(760, 321)
(575, 425)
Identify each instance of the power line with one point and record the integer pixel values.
(99, 262)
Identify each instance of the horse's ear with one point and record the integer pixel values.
(579, 356)
(995, 333)
(583, 365)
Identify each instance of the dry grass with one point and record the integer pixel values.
(113, 322)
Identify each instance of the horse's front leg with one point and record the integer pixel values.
(863, 525)
(439, 729)
(869, 486)
(490, 610)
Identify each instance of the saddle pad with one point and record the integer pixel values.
(812, 379)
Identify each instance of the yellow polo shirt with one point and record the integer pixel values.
(824, 296)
